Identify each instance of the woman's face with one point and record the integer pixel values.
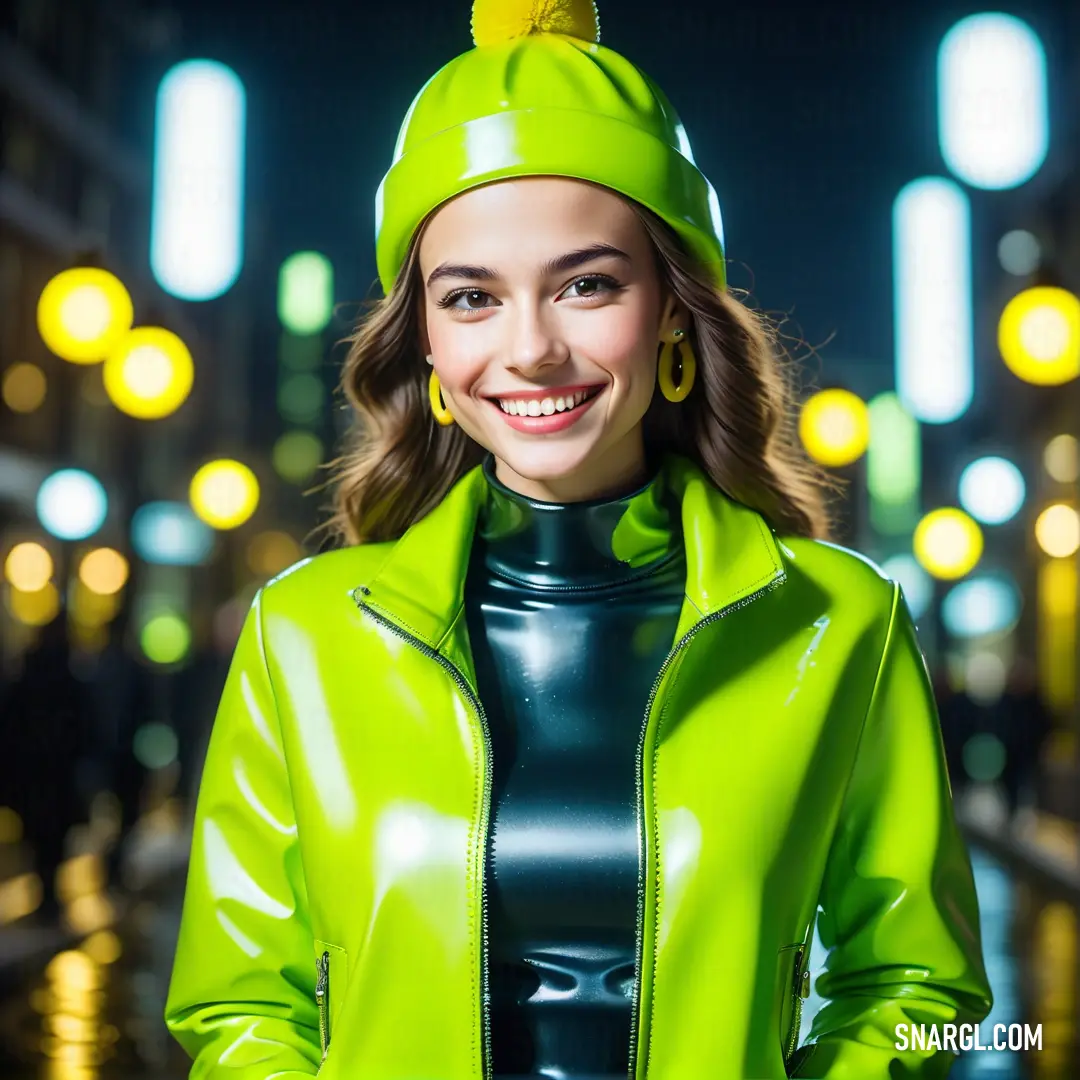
(543, 287)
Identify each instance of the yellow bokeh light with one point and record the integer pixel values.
(271, 552)
(34, 608)
(149, 374)
(28, 567)
(835, 427)
(1039, 335)
(24, 387)
(82, 313)
(224, 493)
(1058, 530)
(1061, 458)
(948, 543)
(104, 571)
(20, 895)
(91, 610)
(11, 826)
(103, 946)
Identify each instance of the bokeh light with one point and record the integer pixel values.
(300, 397)
(1061, 459)
(1019, 253)
(28, 567)
(104, 571)
(917, 584)
(933, 329)
(1039, 335)
(90, 610)
(170, 534)
(103, 947)
(305, 292)
(149, 374)
(269, 553)
(37, 608)
(834, 426)
(983, 604)
(992, 490)
(300, 352)
(985, 676)
(224, 493)
(992, 100)
(1057, 530)
(893, 465)
(197, 208)
(165, 638)
(24, 387)
(948, 543)
(297, 455)
(71, 504)
(82, 313)
(984, 757)
(155, 745)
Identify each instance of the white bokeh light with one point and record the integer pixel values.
(992, 490)
(71, 504)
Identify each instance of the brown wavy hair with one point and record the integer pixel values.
(737, 424)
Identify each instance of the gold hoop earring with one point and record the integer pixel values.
(687, 368)
(442, 413)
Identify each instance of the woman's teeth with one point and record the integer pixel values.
(543, 406)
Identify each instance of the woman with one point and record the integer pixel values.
(548, 771)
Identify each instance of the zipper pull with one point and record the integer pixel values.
(322, 986)
(802, 976)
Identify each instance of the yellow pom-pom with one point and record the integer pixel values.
(501, 20)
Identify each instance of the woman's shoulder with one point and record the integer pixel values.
(838, 570)
(328, 573)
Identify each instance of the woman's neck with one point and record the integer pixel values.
(588, 543)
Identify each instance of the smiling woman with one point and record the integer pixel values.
(553, 767)
(528, 289)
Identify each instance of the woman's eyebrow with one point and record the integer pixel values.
(558, 265)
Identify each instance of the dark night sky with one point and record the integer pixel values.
(806, 116)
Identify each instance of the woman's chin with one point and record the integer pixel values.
(550, 465)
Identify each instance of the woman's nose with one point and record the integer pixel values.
(535, 344)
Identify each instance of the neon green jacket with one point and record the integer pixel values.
(334, 921)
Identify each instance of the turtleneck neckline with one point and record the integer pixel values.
(586, 544)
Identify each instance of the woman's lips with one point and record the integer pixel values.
(545, 423)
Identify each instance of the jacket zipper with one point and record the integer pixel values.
(322, 1000)
(635, 1002)
(463, 685)
(800, 989)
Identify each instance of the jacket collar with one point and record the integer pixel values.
(730, 553)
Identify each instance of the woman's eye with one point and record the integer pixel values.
(593, 285)
(474, 300)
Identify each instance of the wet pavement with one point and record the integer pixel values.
(87, 1005)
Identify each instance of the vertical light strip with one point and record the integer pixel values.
(196, 222)
(1057, 632)
(893, 466)
(992, 115)
(932, 299)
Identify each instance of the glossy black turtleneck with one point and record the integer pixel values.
(571, 610)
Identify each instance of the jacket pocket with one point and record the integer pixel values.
(331, 971)
(794, 982)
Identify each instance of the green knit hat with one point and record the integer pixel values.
(539, 97)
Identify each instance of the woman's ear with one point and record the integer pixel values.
(674, 317)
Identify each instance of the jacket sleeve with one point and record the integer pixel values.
(899, 913)
(241, 997)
